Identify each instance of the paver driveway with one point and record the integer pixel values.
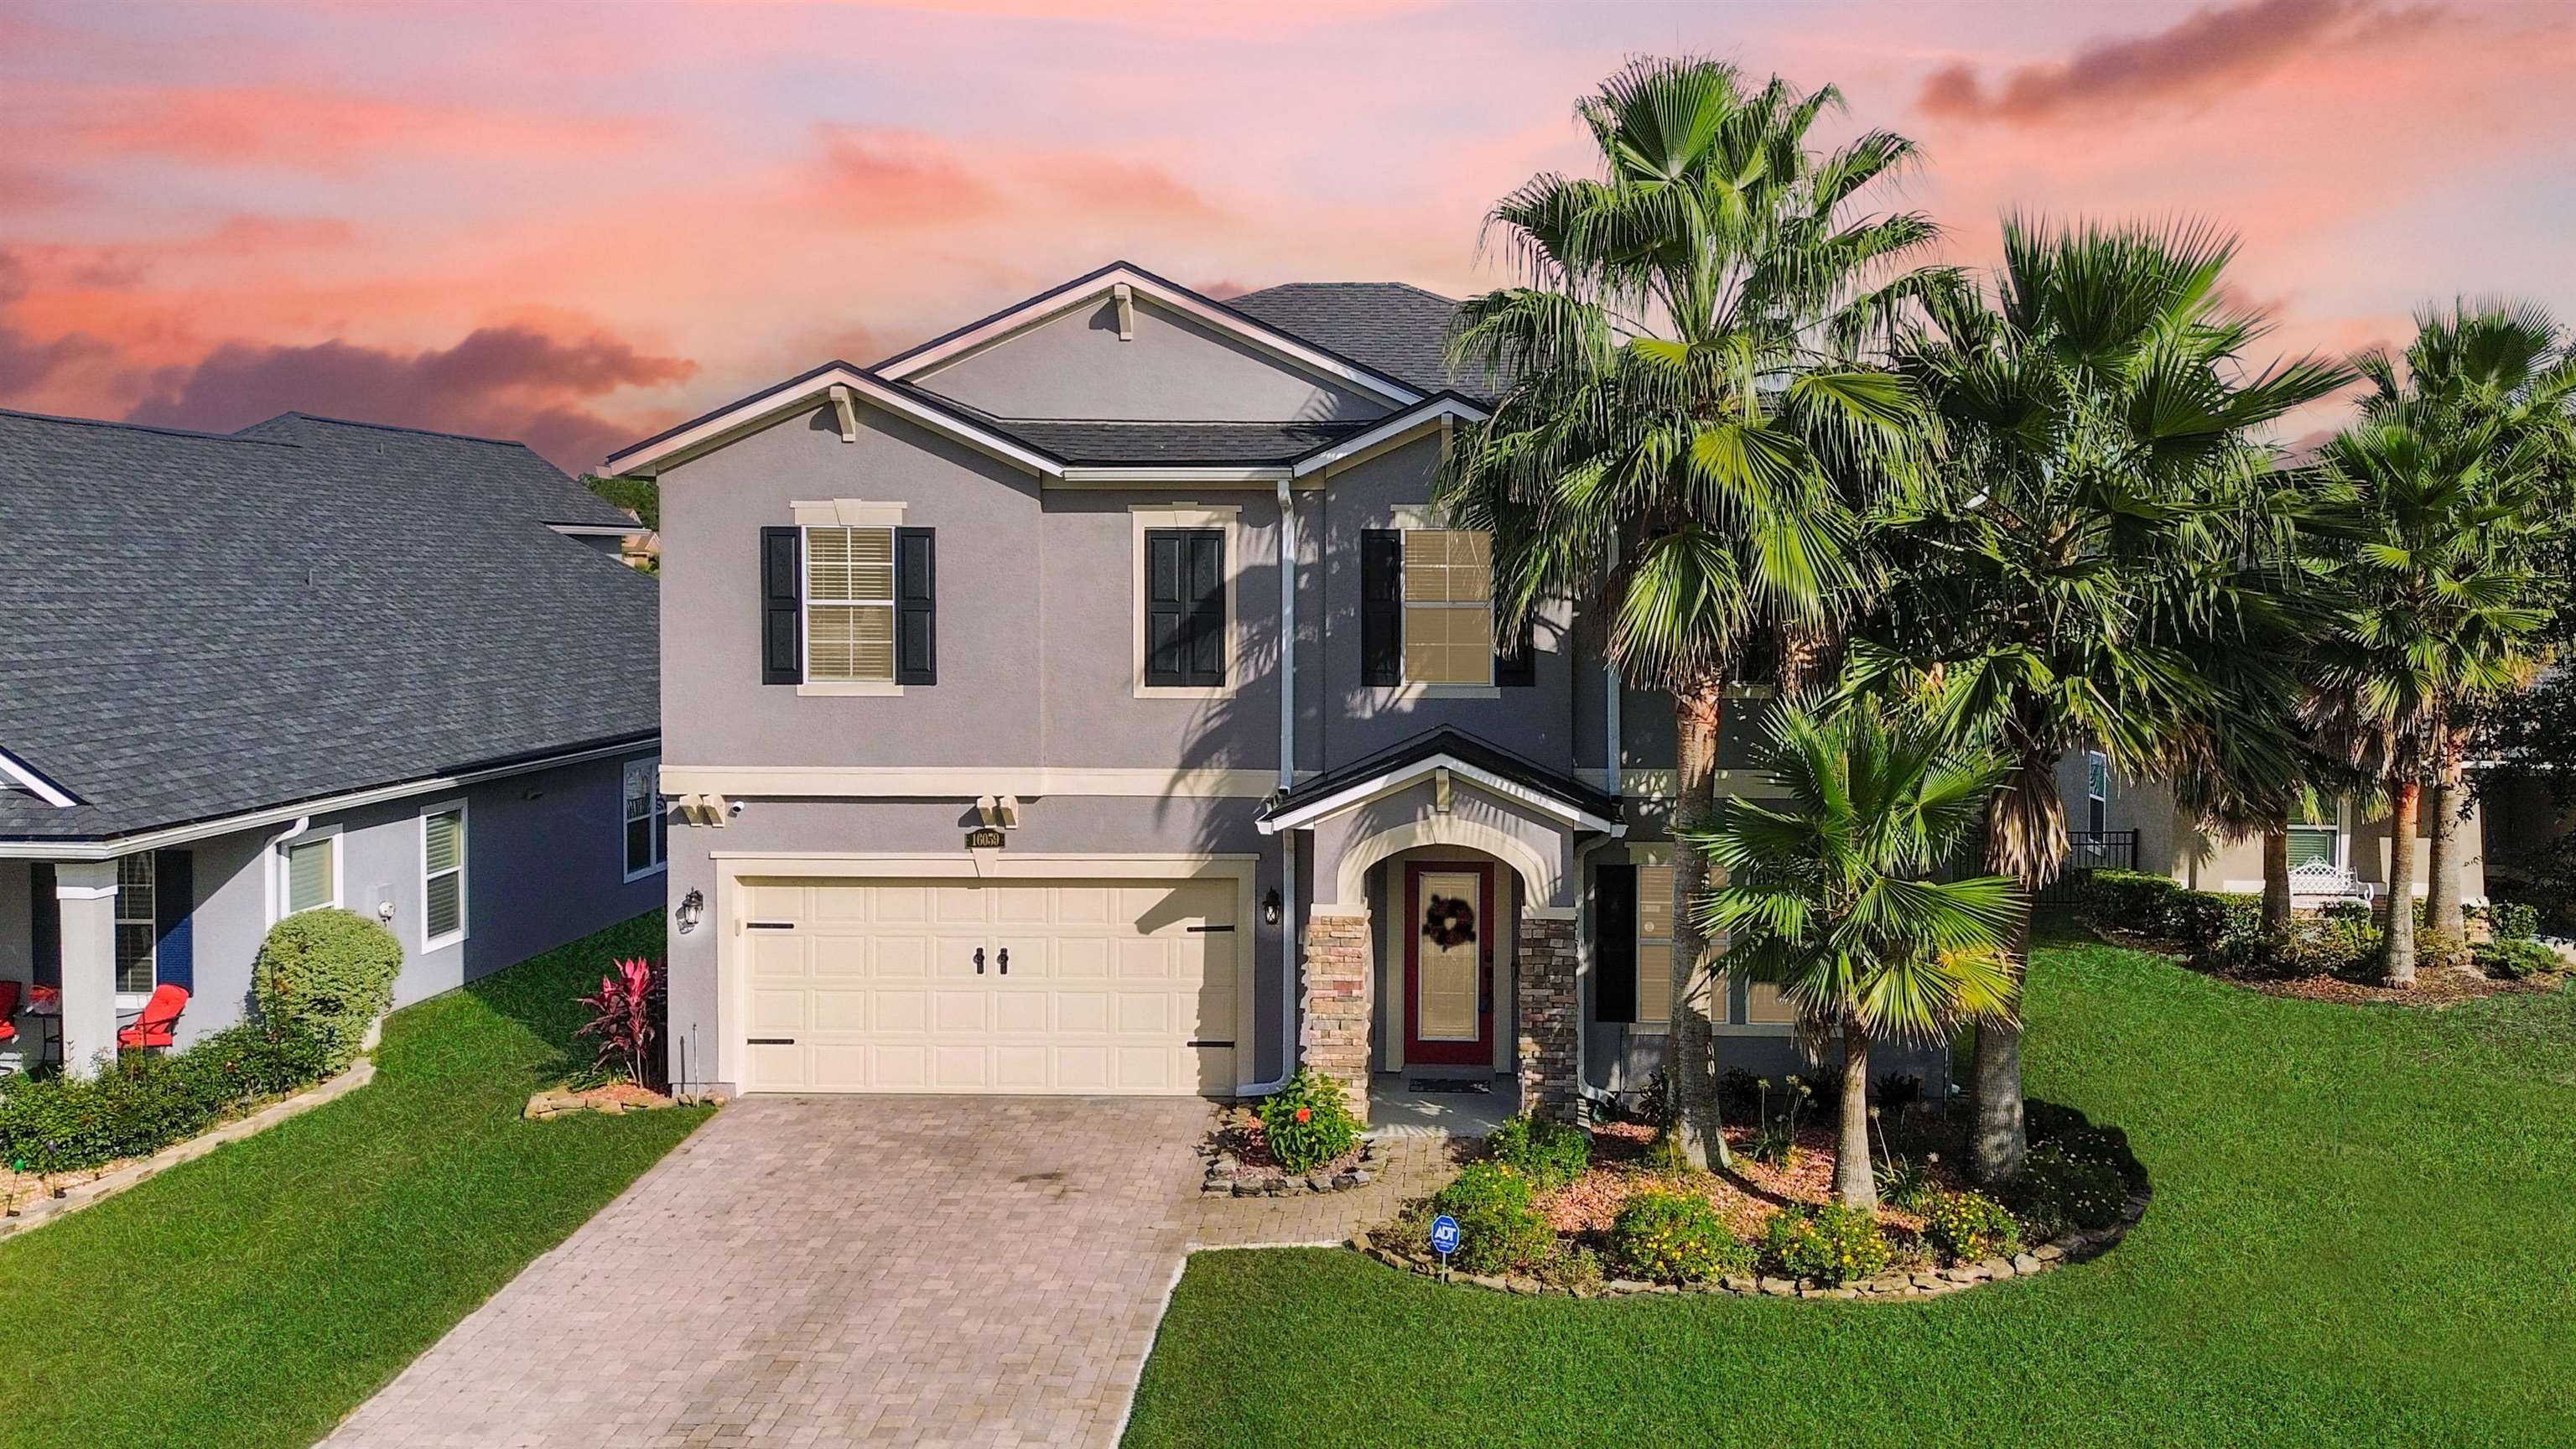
(859, 1270)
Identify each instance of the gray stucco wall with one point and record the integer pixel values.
(544, 865)
(1173, 369)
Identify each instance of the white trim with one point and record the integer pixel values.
(281, 901)
(598, 530)
(846, 513)
(960, 782)
(1047, 306)
(1227, 520)
(733, 866)
(652, 766)
(36, 784)
(110, 849)
(1120, 475)
(788, 399)
(847, 411)
(1394, 780)
(1540, 878)
(118, 921)
(1392, 432)
(1288, 653)
(849, 688)
(464, 881)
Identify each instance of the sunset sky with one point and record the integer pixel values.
(574, 224)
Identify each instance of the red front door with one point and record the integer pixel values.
(1448, 964)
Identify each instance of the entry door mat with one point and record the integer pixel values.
(1462, 1086)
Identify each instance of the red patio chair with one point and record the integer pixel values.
(160, 1014)
(9, 1010)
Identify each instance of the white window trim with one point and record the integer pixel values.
(1410, 517)
(464, 877)
(131, 1000)
(653, 765)
(841, 513)
(1228, 520)
(2093, 758)
(278, 898)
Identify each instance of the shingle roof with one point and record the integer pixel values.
(200, 624)
(1395, 327)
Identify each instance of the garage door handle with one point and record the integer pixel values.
(1005, 959)
(979, 960)
(769, 1041)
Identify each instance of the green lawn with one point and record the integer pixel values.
(2362, 1234)
(255, 1296)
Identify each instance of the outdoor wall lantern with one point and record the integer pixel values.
(1270, 908)
(692, 906)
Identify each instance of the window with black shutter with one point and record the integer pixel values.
(916, 606)
(1185, 608)
(1382, 606)
(782, 606)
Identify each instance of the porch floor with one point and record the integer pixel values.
(1396, 1110)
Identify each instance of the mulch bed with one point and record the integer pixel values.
(1747, 1195)
(1239, 1136)
(2434, 986)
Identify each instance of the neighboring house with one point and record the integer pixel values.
(1089, 701)
(310, 663)
(2137, 825)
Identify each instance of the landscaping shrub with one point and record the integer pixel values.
(1308, 1122)
(1548, 1153)
(1676, 1236)
(329, 973)
(626, 1015)
(2059, 1185)
(1829, 1243)
(2127, 900)
(1499, 1227)
(1739, 1095)
(147, 1101)
(1905, 1183)
(2517, 959)
(2435, 950)
(1966, 1227)
(2513, 920)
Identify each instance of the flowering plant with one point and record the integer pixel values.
(1307, 1122)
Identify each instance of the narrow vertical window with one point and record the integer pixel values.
(2097, 791)
(442, 877)
(1654, 944)
(849, 604)
(647, 823)
(137, 925)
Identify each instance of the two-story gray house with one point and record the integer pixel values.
(1089, 701)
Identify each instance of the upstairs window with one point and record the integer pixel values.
(1448, 606)
(1185, 608)
(849, 604)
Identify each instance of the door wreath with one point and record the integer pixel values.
(1449, 921)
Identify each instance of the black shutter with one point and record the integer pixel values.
(1185, 607)
(916, 606)
(1614, 943)
(1381, 606)
(174, 901)
(782, 606)
(1516, 664)
(45, 926)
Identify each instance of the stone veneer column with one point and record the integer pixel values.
(1334, 1039)
(1549, 1016)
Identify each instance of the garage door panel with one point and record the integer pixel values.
(876, 982)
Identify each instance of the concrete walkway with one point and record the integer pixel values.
(826, 1271)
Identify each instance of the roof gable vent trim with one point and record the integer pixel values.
(16, 773)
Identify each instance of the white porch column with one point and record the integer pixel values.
(86, 891)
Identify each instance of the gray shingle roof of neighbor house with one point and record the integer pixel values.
(202, 624)
(1395, 327)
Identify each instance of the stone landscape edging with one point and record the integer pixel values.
(2076, 1245)
(1220, 1180)
(106, 1185)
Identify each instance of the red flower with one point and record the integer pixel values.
(1303, 1113)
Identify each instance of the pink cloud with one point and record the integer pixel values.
(2211, 47)
(296, 125)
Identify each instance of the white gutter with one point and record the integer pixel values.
(250, 819)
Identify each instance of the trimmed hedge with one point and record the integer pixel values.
(2161, 908)
(147, 1101)
(329, 972)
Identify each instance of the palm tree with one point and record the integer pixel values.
(2074, 572)
(1828, 896)
(1681, 413)
(2479, 364)
(2428, 526)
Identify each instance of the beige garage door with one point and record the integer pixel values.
(1121, 987)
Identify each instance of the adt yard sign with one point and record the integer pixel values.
(1444, 1236)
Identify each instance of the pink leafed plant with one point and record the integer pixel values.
(622, 1013)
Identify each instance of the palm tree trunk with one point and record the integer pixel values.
(2276, 878)
(2442, 864)
(1699, 719)
(1854, 1182)
(1997, 1137)
(2397, 958)
(2025, 839)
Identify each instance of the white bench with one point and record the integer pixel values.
(2321, 882)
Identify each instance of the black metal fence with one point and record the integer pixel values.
(2086, 852)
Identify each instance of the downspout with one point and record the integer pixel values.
(268, 864)
(1292, 922)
